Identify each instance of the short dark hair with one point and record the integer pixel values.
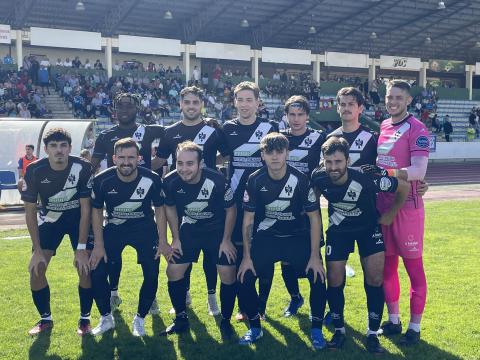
(351, 91)
(274, 141)
(335, 143)
(30, 146)
(401, 84)
(247, 85)
(194, 90)
(133, 98)
(57, 134)
(190, 146)
(297, 101)
(125, 143)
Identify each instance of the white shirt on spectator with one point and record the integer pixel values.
(87, 66)
(59, 63)
(145, 102)
(45, 63)
(67, 64)
(196, 74)
(117, 67)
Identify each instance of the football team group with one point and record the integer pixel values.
(246, 195)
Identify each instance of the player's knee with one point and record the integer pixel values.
(335, 275)
(227, 274)
(175, 272)
(374, 279)
(249, 278)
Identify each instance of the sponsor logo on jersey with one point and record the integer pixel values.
(113, 191)
(263, 189)
(180, 191)
(385, 183)
(234, 133)
(44, 181)
(379, 241)
(178, 136)
(422, 142)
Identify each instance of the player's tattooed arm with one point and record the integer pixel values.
(32, 226)
(98, 252)
(247, 231)
(401, 194)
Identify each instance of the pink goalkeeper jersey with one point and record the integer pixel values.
(397, 144)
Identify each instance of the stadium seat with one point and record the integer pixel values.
(7, 180)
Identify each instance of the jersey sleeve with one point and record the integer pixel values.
(169, 192)
(98, 196)
(222, 142)
(419, 141)
(309, 198)
(228, 196)
(29, 188)
(319, 176)
(163, 149)
(158, 198)
(385, 184)
(85, 181)
(249, 196)
(99, 150)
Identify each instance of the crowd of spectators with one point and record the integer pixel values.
(20, 96)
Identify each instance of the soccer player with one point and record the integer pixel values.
(353, 216)
(403, 148)
(211, 140)
(243, 136)
(275, 229)
(63, 184)
(201, 213)
(126, 106)
(128, 192)
(304, 155)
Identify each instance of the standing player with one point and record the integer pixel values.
(304, 155)
(353, 216)
(126, 106)
(128, 191)
(211, 140)
(62, 183)
(201, 214)
(275, 229)
(243, 138)
(26, 160)
(403, 148)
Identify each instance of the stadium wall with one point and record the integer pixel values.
(454, 151)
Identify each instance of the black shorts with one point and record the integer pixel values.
(51, 235)
(143, 239)
(195, 241)
(340, 245)
(294, 250)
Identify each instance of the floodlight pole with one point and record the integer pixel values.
(469, 79)
(255, 65)
(186, 62)
(19, 48)
(108, 57)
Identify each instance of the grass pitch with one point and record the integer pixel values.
(450, 327)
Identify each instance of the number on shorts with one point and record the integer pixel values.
(329, 250)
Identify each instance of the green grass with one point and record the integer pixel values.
(450, 329)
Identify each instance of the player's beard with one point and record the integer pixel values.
(337, 174)
(192, 117)
(127, 170)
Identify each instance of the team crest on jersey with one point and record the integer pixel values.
(352, 194)
(204, 192)
(138, 134)
(259, 134)
(140, 191)
(308, 141)
(359, 143)
(385, 183)
(246, 198)
(71, 178)
(202, 137)
(288, 189)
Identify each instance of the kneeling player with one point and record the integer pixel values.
(62, 182)
(201, 213)
(276, 198)
(353, 216)
(128, 193)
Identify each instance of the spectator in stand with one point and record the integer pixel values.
(117, 66)
(7, 59)
(45, 62)
(196, 75)
(217, 73)
(68, 63)
(447, 128)
(178, 70)
(34, 67)
(98, 65)
(23, 111)
(26, 63)
(276, 76)
(44, 79)
(76, 63)
(59, 62)
(205, 80)
(436, 124)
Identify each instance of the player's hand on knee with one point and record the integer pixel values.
(315, 265)
(422, 188)
(176, 250)
(246, 265)
(82, 262)
(37, 258)
(387, 218)
(98, 254)
(227, 248)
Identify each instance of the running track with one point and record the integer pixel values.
(453, 173)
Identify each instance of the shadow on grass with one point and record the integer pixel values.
(40, 346)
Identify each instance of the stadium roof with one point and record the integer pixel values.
(401, 27)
